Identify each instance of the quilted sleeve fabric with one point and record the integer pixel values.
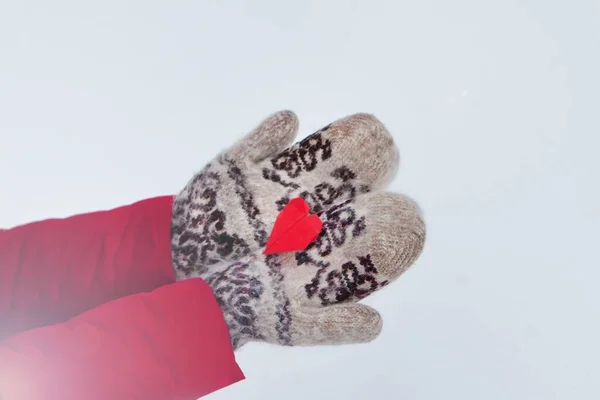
(171, 343)
(54, 269)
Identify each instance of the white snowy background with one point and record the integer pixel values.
(495, 106)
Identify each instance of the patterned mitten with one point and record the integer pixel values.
(223, 217)
(227, 210)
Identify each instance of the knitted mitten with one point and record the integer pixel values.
(222, 219)
(307, 298)
(227, 210)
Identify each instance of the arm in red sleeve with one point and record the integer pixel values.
(54, 269)
(171, 343)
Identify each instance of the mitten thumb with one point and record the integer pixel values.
(270, 137)
(337, 324)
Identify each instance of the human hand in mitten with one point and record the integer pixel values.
(227, 210)
(309, 297)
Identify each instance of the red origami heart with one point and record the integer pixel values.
(294, 228)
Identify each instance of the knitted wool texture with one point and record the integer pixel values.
(223, 217)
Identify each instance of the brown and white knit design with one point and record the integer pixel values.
(223, 217)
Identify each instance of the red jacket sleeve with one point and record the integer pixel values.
(54, 269)
(169, 344)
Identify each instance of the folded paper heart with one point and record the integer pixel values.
(294, 228)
